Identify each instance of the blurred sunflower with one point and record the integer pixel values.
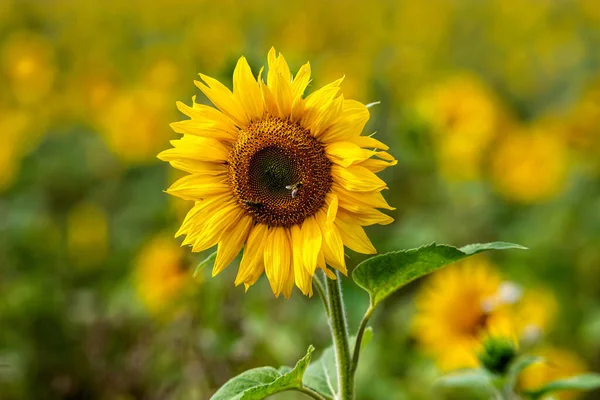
(556, 364)
(530, 166)
(289, 178)
(159, 277)
(464, 117)
(457, 308)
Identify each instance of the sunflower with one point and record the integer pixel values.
(288, 178)
(459, 307)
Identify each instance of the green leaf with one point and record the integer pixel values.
(382, 275)
(472, 384)
(579, 382)
(210, 260)
(258, 383)
(515, 369)
(321, 374)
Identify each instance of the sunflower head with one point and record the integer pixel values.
(288, 177)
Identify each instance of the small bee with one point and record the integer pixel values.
(253, 204)
(294, 188)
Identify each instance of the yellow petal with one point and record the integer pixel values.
(357, 201)
(370, 142)
(299, 85)
(354, 236)
(247, 91)
(277, 258)
(317, 101)
(198, 187)
(206, 129)
(252, 265)
(199, 167)
(333, 245)
(311, 243)
(196, 148)
(346, 153)
(301, 276)
(223, 99)
(349, 124)
(367, 217)
(356, 178)
(211, 232)
(202, 112)
(231, 243)
(375, 165)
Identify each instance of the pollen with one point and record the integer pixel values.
(279, 172)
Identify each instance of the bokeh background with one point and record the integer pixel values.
(491, 107)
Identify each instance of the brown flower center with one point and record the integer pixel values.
(279, 172)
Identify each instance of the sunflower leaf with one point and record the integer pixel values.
(382, 275)
(472, 384)
(579, 382)
(259, 383)
(210, 260)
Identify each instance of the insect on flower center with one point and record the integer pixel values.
(279, 172)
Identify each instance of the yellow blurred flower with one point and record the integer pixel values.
(159, 276)
(87, 234)
(456, 309)
(28, 61)
(557, 364)
(460, 307)
(133, 125)
(530, 166)
(464, 118)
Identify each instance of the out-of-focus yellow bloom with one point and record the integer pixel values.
(464, 118)
(461, 306)
(530, 166)
(159, 276)
(456, 309)
(133, 125)
(87, 234)
(557, 364)
(28, 61)
(583, 125)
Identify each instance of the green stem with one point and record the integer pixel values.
(311, 393)
(359, 338)
(321, 290)
(339, 332)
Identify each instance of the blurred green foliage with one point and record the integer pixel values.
(491, 107)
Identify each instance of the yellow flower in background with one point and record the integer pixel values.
(289, 178)
(133, 139)
(459, 307)
(464, 118)
(87, 234)
(159, 276)
(456, 309)
(556, 364)
(530, 166)
(28, 61)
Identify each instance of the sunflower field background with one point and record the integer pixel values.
(492, 109)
